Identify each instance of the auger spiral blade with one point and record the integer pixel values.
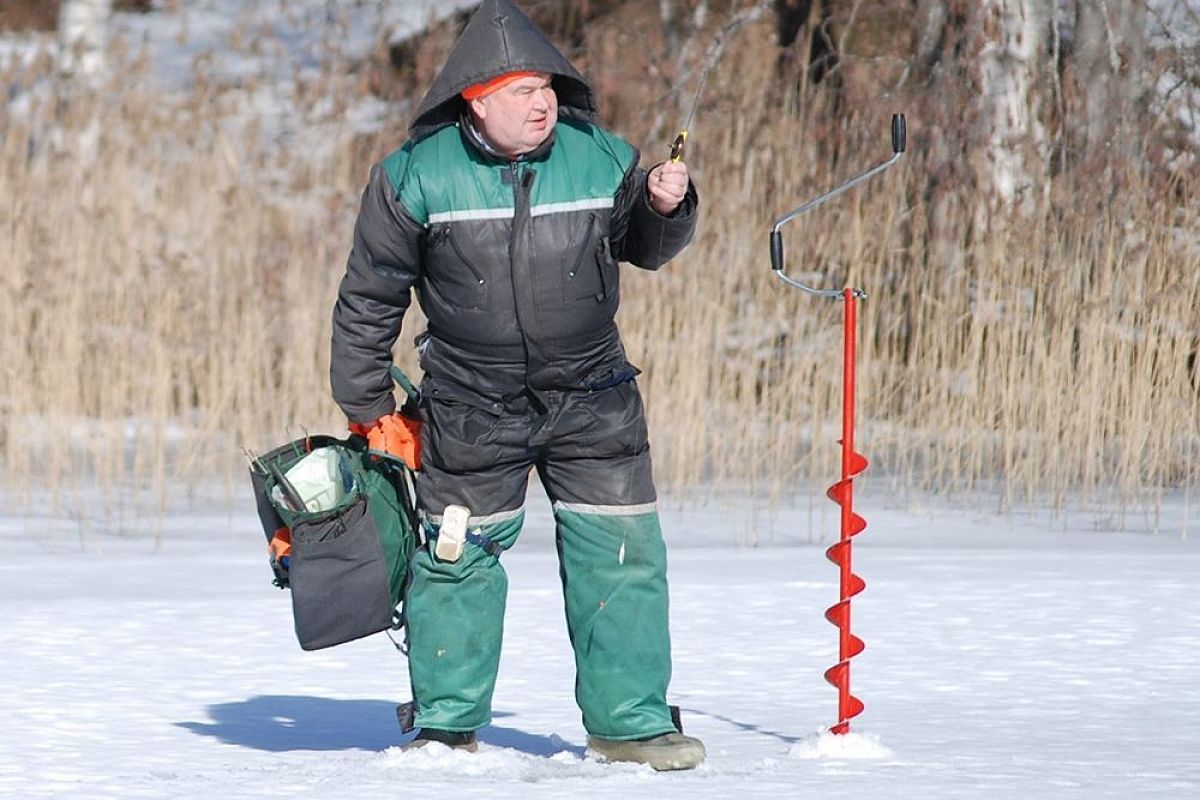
(839, 676)
(849, 645)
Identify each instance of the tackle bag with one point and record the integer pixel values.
(341, 530)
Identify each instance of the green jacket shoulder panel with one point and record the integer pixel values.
(623, 154)
(396, 167)
(442, 175)
(396, 163)
(586, 163)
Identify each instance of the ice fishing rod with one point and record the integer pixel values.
(679, 145)
(853, 462)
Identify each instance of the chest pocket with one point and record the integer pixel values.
(456, 268)
(592, 271)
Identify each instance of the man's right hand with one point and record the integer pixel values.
(667, 185)
(395, 435)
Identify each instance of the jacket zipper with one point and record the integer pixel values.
(520, 255)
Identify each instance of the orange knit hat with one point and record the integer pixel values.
(475, 91)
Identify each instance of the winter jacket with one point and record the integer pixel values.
(515, 263)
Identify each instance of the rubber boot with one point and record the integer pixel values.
(666, 752)
(455, 740)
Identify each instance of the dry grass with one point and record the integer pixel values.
(166, 283)
(166, 290)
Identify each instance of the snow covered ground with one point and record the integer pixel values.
(270, 41)
(1012, 656)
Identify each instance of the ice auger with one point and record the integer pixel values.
(853, 462)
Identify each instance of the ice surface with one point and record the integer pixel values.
(1006, 657)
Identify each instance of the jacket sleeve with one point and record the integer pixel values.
(641, 235)
(372, 298)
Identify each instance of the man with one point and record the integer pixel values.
(508, 211)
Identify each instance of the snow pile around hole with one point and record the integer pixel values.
(846, 745)
(493, 762)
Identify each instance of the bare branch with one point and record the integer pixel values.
(711, 57)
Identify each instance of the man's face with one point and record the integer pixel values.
(517, 117)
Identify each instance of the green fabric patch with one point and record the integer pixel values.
(442, 173)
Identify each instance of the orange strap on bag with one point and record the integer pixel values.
(395, 435)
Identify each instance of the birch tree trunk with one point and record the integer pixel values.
(981, 68)
(82, 39)
(1012, 145)
(1109, 71)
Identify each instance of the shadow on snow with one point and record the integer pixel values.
(745, 726)
(279, 723)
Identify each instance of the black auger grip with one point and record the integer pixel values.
(777, 250)
(899, 133)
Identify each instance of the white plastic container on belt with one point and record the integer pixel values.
(452, 536)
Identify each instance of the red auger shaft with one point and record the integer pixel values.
(852, 524)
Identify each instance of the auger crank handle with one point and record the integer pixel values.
(899, 144)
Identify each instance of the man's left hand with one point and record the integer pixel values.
(667, 184)
(394, 434)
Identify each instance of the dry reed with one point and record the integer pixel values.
(167, 274)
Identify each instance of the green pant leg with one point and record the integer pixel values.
(614, 567)
(455, 619)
